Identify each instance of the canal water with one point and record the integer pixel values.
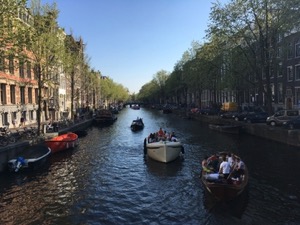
(107, 180)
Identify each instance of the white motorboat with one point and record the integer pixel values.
(163, 151)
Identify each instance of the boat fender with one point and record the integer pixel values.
(182, 149)
(145, 146)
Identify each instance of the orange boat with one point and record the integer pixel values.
(62, 142)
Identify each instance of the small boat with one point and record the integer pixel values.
(137, 124)
(163, 150)
(226, 128)
(224, 189)
(137, 107)
(30, 159)
(104, 117)
(62, 142)
(167, 110)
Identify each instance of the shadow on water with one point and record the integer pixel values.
(164, 169)
(235, 207)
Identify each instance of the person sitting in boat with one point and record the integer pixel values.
(224, 169)
(231, 160)
(204, 165)
(151, 137)
(161, 133)
(173, 137)
(239, 169)
(213, 162)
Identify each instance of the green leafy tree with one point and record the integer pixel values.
(254, 26)
(46, 49)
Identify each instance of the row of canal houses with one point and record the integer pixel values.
(284, 81)
(19, 92)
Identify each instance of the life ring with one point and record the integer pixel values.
(145, 146)
(182, 149)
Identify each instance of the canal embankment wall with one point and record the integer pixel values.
(262, 130)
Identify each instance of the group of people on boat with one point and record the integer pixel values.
(162, 135)
(225, 166)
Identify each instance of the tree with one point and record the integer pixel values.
(254, 26)
(160, 79)
(46, 49)
(13, 32)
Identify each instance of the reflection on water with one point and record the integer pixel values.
(108, 180)
(163, 169)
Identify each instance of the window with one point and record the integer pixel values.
(30, 95)
(21, 67)
(280, 92)
(297, 49)
(271, 71)
(31, 115)
(11, 66)
(297, 72)
(22, 95)
(279, 52)
(289, 51)
(2, 61)
(289, 73)
(292, 113)
(36, 95)
(297, 93)
(280, 70)
(3, 94)
(28, 69)
(36, 72)
(13, 94)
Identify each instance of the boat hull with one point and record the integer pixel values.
(104, 117)
(31, 159)
(62, 142)
(164, 151)
(230, 129)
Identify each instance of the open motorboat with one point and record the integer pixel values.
(163, 150)
(31, 158)
(104, 117)
(62, 142)
(137, 124)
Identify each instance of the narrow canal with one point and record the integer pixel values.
(107, 180)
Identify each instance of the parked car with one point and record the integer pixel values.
(209, 111)
(282, 116)
(292, 124)
(240, 116)
(256, 117)
(228, 114)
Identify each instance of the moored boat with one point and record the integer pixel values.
(226, 128)
(137, 124)
(104, 117)
(62, 142)
(224, 189)
(166, 150)
(31, 158)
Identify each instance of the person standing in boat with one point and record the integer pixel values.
(224, 168)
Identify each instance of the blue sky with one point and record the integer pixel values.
(131, 40)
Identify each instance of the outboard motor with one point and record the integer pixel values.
(19, 163)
